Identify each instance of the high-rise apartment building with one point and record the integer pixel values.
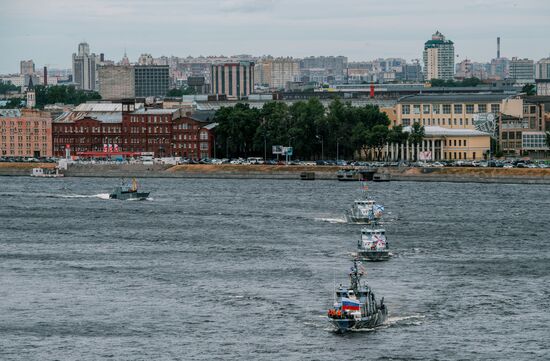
(26, 67)
(276, 73)
(84, 68)
(439, 58)
(522, 70)
(145, 59)
(330, 68)
(151, 80)
(235, 79)
(542, 69)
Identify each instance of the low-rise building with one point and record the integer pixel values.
(130, 128)
(25, 133)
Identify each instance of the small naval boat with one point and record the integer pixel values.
(46, 173)
(373, 245)
(356, 307)
(348, 175)
(125, 192)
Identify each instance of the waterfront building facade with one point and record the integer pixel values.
(458, 126)
(232, 79)
(522, 124)
(128, 127)
(25, 133)
(439, 58)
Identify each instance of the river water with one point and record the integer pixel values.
(213, 269)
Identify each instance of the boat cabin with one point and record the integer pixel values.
(373, 239)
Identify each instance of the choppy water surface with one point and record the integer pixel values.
(235, 269)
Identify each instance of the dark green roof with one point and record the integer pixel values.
(431, 43)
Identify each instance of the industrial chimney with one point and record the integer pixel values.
(45, 76)
(498, 47)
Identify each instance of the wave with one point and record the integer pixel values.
(331, 220)
(99, 195)
(412, 320)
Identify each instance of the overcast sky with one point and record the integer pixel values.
(49, 31)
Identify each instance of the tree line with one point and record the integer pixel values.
(341, 131)
(62, 94)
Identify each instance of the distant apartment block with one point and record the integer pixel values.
(124, 81)
(439, 54)
(116, 82)
(26, 67)
(542, 69)
(328, 68)
(25, 133)
(276, 73)
(232, 79)
(151, 80)
(522, 70)
(84, 68)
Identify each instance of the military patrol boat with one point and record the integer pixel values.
(373, 244)
(125, 192)
(356, 307)
(364, 210)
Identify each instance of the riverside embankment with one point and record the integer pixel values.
(457, 174)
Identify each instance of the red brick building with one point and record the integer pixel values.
(165, 132)
(85, 135)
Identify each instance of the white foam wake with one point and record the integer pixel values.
(99, 195)
(331, 220)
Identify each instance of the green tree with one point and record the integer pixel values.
(378, 138)
(7, 87)
(529, 89)
(14, 103)
(236, 128)
(178, 92)
(547, 139)
(62, 94)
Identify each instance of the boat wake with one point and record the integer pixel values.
(99, 195)
(413, 320)
(331, 220)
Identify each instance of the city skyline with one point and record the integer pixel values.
(359, 30)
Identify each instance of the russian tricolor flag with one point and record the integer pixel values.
(349, 304)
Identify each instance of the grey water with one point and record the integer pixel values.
(211, 269)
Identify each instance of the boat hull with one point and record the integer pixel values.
(130, 195)
(373, 256)
(347, 325)
(350, 218)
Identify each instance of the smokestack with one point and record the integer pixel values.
(45, 76)
(498, 47)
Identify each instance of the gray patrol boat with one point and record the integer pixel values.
(355, 307)
(373, 244)
(125, 192)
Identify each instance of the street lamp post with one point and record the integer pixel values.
(337, 146)
(265, 147)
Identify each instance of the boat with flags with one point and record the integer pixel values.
(364, 209)
(125, 192)
(355, 307)
(373, 244)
